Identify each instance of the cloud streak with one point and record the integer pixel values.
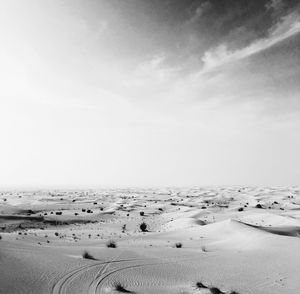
(199, 11)
(221, 55)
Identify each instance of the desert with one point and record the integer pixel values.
(198, 240)
(149, 146)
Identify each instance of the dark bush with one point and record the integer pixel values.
(203, 248)
(215, 290)
(121, 289)
(86, 255)
(111, 244)
(200, 285)
(143, 227)
(178, 245)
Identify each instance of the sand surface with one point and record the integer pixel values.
(242, 239)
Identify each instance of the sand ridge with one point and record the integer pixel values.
(242, 239)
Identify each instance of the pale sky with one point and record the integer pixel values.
(149, 93)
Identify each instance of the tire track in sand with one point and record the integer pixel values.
(97, 284)
(62, 285)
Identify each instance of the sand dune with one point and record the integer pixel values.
(216, 237)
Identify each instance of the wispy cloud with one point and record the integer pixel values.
(288, 26)
(199, 11)
(153, 67)
(276, 6)
(151, 72)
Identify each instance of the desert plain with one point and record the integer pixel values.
(219, 240)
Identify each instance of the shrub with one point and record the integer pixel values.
(0, 237)
(86, 255)
(111, 244)
(121, 289)
(142, 213)
(241, 209)
(258, 206)
(178, 245)
(200, 285)
(214, 290)
(143, 227)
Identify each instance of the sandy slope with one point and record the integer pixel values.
(249, 250)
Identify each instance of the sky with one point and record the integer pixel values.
(147, 93)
